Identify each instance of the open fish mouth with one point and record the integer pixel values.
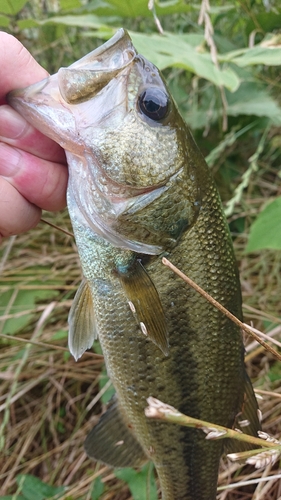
(77, 107)
(60, 105)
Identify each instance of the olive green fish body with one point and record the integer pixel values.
(203, 373)
(139, 189)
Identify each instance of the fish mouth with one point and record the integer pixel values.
(62, 107)
(59, 106)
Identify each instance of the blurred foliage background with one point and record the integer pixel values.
(222, 64)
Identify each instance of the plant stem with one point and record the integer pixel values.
(216, 304)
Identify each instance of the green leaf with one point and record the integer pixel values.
(265, 232)
(69, 4)
(253, 99)
(27, 23)
(12, 7)
(141, 483)
(269, 56)
(274, 374)
(86, 21)
(13, 497)
(4, 23)
(136, 8)
(60, 334)
(139, 8)
(163, 50)
(97, 489)
(107, 395)
(179, 51)
(16, 298)
(34, 489)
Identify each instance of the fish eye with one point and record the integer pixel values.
(154, 103)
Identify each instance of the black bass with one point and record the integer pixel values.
(138, 190)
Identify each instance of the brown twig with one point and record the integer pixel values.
(216, 304)
(44, 344)
(158, 410)
(57, 227)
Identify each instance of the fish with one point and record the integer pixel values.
(139, 190)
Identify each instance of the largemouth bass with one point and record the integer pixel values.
(139, 189)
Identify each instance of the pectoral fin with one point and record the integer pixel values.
(82, 325)
(112, 442)
(145, 304)
(246, 421)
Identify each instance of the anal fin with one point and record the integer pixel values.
(145, 304)
(112, 442)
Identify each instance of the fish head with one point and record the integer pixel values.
(134, 176)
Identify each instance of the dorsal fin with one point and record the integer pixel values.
(112, 441)
(82, 323)
(145, 304)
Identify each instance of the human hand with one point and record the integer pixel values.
(33, 172)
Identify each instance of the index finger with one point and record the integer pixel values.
(18, 67)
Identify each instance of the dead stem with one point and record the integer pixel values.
(243, 326)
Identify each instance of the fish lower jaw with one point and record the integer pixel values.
(99, 229)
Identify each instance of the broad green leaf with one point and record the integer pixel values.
(86, 21)
(274, 373)
(269, 56)
(27, 23)
(179, 51)
(97, 489)
(139, 8)
(70, 4)
(163, 50)
(136, 8)
(34, 489)
(268, 21)
(13, 497)
(4, 23)
(130, 8)
(141, 483)
(265, 232)
(60, 334)
(253, 99)
(23, 299)
(11, 7)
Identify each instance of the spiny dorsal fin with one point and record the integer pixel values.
(112, 442)
(145, 304)
(247, 420)
(82, 324)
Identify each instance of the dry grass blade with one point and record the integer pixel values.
(160, 411)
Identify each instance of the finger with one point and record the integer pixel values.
(17, 215)
(15, 130)
(18, 68)
(41, 182)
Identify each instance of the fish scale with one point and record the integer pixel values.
(139, 190)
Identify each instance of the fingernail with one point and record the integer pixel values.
(9, 160)
(12, 125)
